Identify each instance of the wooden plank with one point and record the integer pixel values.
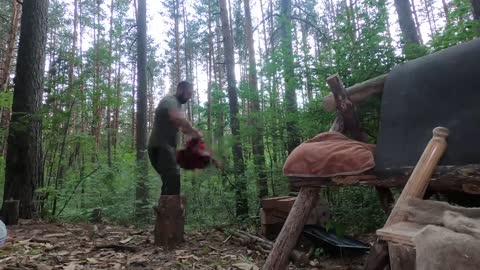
(401, 257)
(358, 92)
(273, 202)
(402, 232)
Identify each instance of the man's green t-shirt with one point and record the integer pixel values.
(164, 133)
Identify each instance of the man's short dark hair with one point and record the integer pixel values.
(184, 85)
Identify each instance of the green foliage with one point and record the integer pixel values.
(357, 204)
(327, 37)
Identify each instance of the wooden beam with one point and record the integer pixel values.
(346, 109)
(358, 92)
(291, 230)
(465, 179)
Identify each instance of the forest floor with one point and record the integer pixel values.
(44, 246)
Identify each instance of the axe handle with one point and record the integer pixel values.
(418, 182)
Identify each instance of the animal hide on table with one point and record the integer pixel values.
(452, 238)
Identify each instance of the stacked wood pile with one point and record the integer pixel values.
(275, 211)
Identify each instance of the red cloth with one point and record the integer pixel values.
(195, 155)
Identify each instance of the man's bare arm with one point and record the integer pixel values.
(182, 123)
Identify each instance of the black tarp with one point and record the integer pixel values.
(440, 89)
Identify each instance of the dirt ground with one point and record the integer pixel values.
(44, 246)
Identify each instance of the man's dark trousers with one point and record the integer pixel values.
(163, 160)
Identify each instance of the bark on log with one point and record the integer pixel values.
(169, 227)
(464, 179)
(358, 92)
(288, 237)
(12, 209)
(346, 108)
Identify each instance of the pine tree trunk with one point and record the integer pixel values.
(258, 143)
(141, 194)
(177, 44)
(133, 125)
(5, 72)
(407, 25)
(430, 19)
(209, 75)
(239, 170)
(306, 63)
(12, 38)
(109, 86)
(417, 22)
(24, 156)
(288, 75)
(445, 11)
(476, 9)
(97, 93)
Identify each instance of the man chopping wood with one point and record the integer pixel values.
(162, 145)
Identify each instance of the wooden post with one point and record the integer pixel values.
(169, 227)
(347, 120)
(11, 211)
(418, 182)
(288, 237)
(358, 92)
(415, 188)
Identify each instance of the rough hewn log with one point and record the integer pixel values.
(288, 237)
(465, 179)
(337, 125)
(169, 227)
(358, 92)
(346, 108)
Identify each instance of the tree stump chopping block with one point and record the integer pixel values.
(169, 226)
(11, 212)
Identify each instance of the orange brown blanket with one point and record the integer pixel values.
(329, 154)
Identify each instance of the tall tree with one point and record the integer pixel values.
(417, 22)
(293, 138)
(476, 9)
(7, 63)
(24, 154)
(407, 24)
(239, 167)
(141, 123)
(257, 142)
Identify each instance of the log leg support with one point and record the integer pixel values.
(169, 226)
(291, 230)
(401, 257)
